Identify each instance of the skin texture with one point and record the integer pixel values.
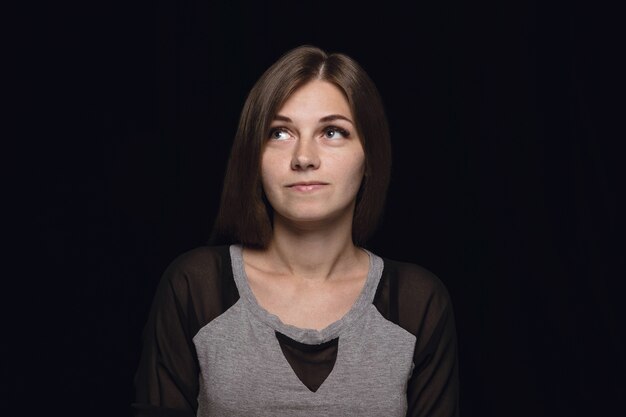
(312, 167)
(306, 149)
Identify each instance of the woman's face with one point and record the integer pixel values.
(313, 161)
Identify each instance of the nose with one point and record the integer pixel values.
(305, 155)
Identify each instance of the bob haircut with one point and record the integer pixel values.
(245, 216)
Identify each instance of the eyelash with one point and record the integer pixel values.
(327, 129)
(275, 130)
(343, 132)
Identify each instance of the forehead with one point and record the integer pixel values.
(316, 98)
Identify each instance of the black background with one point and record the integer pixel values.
(505, 121)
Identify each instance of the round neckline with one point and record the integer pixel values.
(303, 335)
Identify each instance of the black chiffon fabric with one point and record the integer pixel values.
(199, 286)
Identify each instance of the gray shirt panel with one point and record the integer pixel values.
(243, 371)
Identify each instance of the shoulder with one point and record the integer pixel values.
(200, 258)
(199, 283)
(200, 265)
(414, 279)
(411, 296)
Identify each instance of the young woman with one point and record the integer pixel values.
(293, 317)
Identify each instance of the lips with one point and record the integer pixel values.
(307, 185)
(304, 183)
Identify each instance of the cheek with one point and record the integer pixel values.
(269, 174)
(357, 169)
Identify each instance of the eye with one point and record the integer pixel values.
(279, 133)
(334, 132)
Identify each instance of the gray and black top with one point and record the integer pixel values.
(211, 350)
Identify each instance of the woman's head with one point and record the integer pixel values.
(245, 214)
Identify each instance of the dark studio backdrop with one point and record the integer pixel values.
(505, 182)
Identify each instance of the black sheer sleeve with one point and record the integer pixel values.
(194, 289)
(417, 300)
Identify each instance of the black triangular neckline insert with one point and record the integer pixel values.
(311, 363)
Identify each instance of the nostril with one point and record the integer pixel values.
(303, 161)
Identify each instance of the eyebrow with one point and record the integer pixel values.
(324, 119)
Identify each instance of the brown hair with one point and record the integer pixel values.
(244, 214)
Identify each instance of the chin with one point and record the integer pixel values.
(312, 217)
(307, 218)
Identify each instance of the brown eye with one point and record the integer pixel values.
(333, 132)
(278, 134)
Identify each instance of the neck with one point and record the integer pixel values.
(313, 251)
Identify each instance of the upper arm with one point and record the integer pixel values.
(433, 388)
(416, 300)
(194, 289)
(167, 376)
